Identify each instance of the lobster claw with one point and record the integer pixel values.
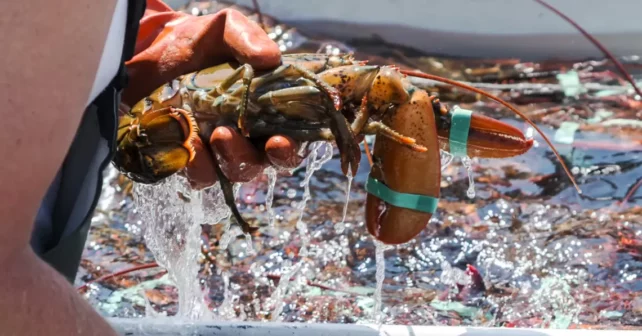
(404, 185)
(464, 132)
(155, 145)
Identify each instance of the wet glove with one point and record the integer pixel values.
(170, 44)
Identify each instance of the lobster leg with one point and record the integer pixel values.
(346, 141)
(293, 130)
(291, 70)
(303, 102)
(228, 191)
(361, 124)
(376, 127)
(246, 73)
(228, 194)
(361, 116)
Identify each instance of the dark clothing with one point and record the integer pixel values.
(64, 218)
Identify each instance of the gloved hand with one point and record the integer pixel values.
(170, 44)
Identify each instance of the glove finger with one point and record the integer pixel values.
(249, 43)
(283, 151)
(171, 43)
(240, 161)
(200, 172)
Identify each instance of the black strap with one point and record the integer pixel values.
(136, 9)
(101, 117)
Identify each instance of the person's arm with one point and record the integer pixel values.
(50, 55)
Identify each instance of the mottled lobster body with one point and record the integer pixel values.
(314, 97)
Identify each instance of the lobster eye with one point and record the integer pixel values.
(142, 137)
(148, 163)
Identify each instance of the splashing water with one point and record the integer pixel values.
(380, 276)
(226, 309)
(229, 232)
(341, 226)
(282, 289)
(171, 214)
(249, 245)
(313, 164)
(467, 162)
(453, 277)
(271, 174)
(445, 158)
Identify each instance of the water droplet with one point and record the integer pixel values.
(172, 232)
(340, 227)
(467, 162)
(271, 173)
(445, 158)
(380, 276)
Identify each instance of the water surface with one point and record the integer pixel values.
(544, 257)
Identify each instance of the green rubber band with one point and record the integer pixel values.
(459, 127)
(409, 201)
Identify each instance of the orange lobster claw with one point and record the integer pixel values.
(487, 138)
(405, 171)
(505, 104)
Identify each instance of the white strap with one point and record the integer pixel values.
(112, 52)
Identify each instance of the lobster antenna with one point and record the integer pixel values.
(500, 101)
(595, 42)
(260, 14)
(368, 155)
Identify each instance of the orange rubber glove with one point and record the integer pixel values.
(170, 44)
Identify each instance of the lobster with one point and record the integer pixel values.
(314, 97)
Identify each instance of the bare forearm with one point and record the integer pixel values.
(51, 51)
(35, 300)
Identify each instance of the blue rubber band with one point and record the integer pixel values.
(459, 128)
(420, 203)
